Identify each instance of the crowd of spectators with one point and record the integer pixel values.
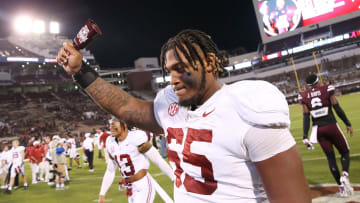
(38, 115)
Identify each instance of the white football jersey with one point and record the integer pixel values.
(97, 138)
(206, 146)
(16, 155)
(125, 154)
(71, 143)
(1, 158)
(7, 156)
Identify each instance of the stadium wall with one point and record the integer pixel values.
(284, 68)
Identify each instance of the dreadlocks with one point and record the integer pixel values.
(188, 39)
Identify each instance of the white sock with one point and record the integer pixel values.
(25, 184)
(57, 185)
(62, 185)
(9, 188)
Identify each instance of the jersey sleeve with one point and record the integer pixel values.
(138, 137)
(260, 103)
(331, 90)
(264, 143)
(162, 101)
(109, 149)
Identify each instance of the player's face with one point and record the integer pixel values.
(15, 143)
(115, 128)
(188, 83)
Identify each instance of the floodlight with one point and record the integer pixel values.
(38, 26)
(54, 28)
(23, 24)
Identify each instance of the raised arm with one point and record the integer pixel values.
(135, 112)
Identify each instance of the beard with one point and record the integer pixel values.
(195, 100)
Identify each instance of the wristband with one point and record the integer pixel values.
(85, 76)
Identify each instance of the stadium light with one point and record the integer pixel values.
(54, 28)
(23, 24)
(38, 26)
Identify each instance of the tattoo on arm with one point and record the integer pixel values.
(133, 111)
(108, 96)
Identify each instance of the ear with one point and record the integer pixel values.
(210, 62)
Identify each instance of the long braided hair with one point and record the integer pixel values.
(189, 39)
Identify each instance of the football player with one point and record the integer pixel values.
(17, 164)
(5, 163)
(97, 142)
(72, 151)
(129, 150)
(318, 102)
(226, 143)
(45, 165)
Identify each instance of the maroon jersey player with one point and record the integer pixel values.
(318, 101)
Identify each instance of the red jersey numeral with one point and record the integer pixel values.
(175, 133)
(128, 164)
(191, 185)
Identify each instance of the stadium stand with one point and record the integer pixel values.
(9, 49)
(45, 45)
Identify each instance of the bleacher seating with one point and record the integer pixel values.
(8, 49)
(44, 45)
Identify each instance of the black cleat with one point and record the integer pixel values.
(8, 191)
(25, 187)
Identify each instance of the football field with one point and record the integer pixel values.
(85, 186)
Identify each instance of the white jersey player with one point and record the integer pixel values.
(6, 157)
(129, 151)
(72, 151)
(17, 164)
(227, 172)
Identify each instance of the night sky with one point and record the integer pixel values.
(133, 28)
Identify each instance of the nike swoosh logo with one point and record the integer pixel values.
(206, 114)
